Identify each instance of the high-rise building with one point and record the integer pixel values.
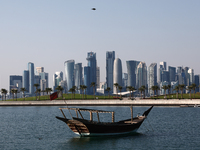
(197, 82)
(69, 73)
(191, 76)
(141, 75)
(117, 73)
(25, 80)
(152, 77)
(98, 77)
(131, 70)
(39, 70)
(187, 76)
(45, 76)
(125, 79)
(31, 78)
(181, 75)
(162, 67)
(57, 77)
(110, 57)
(78, 75)
(90, 72)
(172, 74)
(16, 83)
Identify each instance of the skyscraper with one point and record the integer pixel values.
(117, 73)
(90, 72)
(110, 57)
(152, 77)
(31, 78)
(162, 67)
(25, 80)
(69, 73)
(57, 77)
(98, 77)
(191, 76)
(39, 70)
(131, 70)
(141, 75)
(172, 74)
(78, 74)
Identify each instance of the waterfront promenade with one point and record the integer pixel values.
(102, 102)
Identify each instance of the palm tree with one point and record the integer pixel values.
(23, 90)
(129, 88)
(4, 92)
(12, 91)
(193, 88)
(60, 89)
(177, 90)
(190, 89)
(182, 87)
(93, 84)
(85, 88)
(143, 90)
(71, 90)
(132, 89)
(157, 89)
(153, 88)
(108, 89)
(75, 88)
(165, 87)
(48, 90)
(82, 89)
(36, 86)
(39, 91)
(120, 89)
(15, 91)
(116, 86)
(169, 90)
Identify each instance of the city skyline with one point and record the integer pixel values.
(48, 34)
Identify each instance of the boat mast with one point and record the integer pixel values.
(131, 107)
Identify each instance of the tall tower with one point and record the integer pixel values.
(131, 69)
(162, 67)
(117, 73)
(25, 80)
(152, 77)
(31, 78)
(110, 57)
(69, 73)
(78, 74)
(141, 75)
(90, 72)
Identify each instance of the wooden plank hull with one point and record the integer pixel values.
(91, 128)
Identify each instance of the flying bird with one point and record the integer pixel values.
(93, 8)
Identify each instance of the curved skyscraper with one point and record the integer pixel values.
(78, 75)
(131, 70)
(69, 73)
(141, 75)
(31, 77)
(117, 73)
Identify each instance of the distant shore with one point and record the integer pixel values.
(112, 102)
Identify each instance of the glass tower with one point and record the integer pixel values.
(78, 74)
(117, 73)
(152, 77)
(25, 80)
(69, 73)
(110, 57)
(31, 78)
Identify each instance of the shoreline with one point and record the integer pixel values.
(112, 102)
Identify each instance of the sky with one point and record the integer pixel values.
(48, 33)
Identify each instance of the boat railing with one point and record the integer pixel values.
(91, 111)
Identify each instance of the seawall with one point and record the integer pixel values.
(114, 102)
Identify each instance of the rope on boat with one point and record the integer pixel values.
(69, 110)
(149, 124)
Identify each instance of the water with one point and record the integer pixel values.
(37, 128)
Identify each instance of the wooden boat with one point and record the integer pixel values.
(85, 127)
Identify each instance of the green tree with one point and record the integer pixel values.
(39, 91)
(60, 89)
(169, 89)
(4, 92)
(23, 90)
(85, 88)
(132, 92)
(93, 84)
(177, 91)
(36, 86)
(108, 89)
(13, 93)
(165, 87)
(48, 90)
(157, 89)
(82, 90)
(182, 87)
(190, 89)
(194, 88)
(130, 89)
(120, 89)
(116, 86)
(153, 88)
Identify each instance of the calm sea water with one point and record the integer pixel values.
(37, 128)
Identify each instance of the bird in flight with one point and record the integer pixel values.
(93, 8)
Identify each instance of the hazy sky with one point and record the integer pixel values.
(50, 32)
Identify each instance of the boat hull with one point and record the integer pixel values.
(90, 128)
